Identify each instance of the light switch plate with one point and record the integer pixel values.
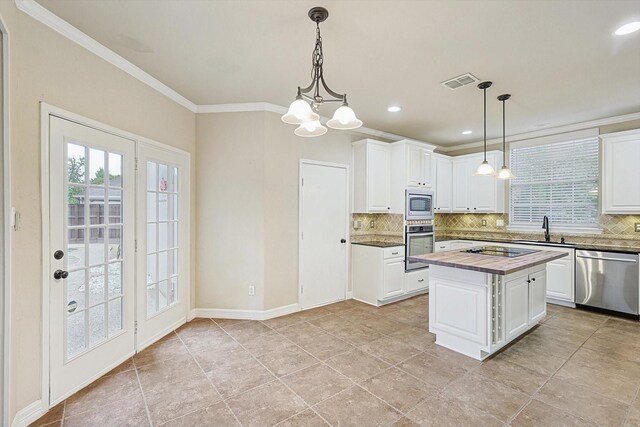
(637, 227)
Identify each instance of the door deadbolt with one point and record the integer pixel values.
(60, 274)
(58, 254)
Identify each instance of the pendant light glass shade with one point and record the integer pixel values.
(485, 169)
(344, 118)
(299, 112)
(505, 172)
(310, 129)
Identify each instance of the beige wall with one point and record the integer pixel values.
(45, 66)
(248, 227)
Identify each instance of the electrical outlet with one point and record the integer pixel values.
(484, 222)
(637, 227)
(372, 224)
(252, 290)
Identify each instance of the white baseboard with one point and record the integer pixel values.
(561, 302)
(191, 315)
(28, 414)
(349, 295)
(246, 314)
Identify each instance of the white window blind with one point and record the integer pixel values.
(559, 180)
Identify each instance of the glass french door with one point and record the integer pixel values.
(92, 205)
(163, 243)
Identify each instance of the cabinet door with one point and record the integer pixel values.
(620, 174)
(560, 279)
(393, 284)
(426, 168)
(516, 306)
(461, 179)
(461, 245)
(483, 188)
(443, 184)
(415, 175)
(378, 178)
(537, 296)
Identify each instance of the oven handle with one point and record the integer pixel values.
(419, 234)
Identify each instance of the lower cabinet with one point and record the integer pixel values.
(525, 300)
(378, 276)
(537, 295)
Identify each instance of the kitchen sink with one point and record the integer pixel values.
(542, 242)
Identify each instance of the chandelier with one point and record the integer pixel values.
(303, 111)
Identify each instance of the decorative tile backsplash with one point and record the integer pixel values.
(617, 230)
(386, 227)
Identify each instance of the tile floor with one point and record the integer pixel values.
(349, 364)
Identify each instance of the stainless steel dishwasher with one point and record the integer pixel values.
(608, 280)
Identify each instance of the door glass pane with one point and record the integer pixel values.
(151, 207)
(96, 205)
(151, 238)
(115, 206)
(152, 266)
(152, 173)
(97, 324)
(162, 294)
(75, 205)
(162, 265)
(96, 246)
(174, 207)
(163, 207)
(162, 236)
(115, 279)
(76, 163)
(115, 315)
(173, 291)
(173, 179)
(163, 178)
(76, 249)
(76, 290)
(152, 299)
(115, 170)
(96, 285)
(115, 243)
(76, 333)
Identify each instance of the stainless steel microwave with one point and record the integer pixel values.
(419, 204)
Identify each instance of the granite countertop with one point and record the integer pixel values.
(378, 244)
(583, 246)
(487, 263)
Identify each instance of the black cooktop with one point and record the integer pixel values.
(499, 251)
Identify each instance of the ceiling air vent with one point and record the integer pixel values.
(460, 81)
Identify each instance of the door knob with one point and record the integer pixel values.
(343, 240)
(60, 274)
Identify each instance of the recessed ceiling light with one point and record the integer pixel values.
(394, 109)
(467, 132)
(628, 28)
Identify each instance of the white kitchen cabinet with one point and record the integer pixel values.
(443, 184)
(371, 176)
(378, 276)
(537, 296)
(516, 294)
(393, 283)
(560, 277)
(476, 194)
(620, 172)
(411, 166)
(461, 244)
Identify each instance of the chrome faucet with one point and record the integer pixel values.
(545, 225)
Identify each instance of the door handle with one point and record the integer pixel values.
(343, 240)
(420, 280)
(607, 259)
(58, 254)
(60, 274)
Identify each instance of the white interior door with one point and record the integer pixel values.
(324, 234)
(163, 242)
(91, 304)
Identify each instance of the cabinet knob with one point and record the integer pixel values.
(533, 279)
(388, 208)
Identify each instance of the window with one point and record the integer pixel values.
(558, 179)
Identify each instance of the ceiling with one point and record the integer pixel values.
(558, 59)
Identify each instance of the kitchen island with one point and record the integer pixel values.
(482, 298)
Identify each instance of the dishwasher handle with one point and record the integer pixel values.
(608, 259)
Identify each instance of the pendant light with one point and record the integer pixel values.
(485, 168)
(504, 172)
(303, 110)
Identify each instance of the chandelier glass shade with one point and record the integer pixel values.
(303, 111)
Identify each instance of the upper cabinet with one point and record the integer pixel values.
(411, 166)
(470, 193)
(620, 172)
(443, 183)
(371, 176)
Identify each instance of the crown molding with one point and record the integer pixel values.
(546, 132)
(41, 14)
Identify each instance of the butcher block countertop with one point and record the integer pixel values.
(487, 263)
